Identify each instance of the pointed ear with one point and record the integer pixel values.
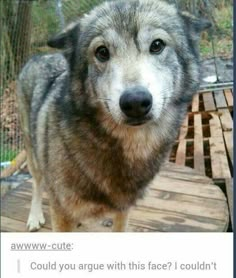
(67, 39)
(197, 25)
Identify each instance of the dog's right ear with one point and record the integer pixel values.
(67, 39)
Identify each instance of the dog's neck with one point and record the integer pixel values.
(137, 142)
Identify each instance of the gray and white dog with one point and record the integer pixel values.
(99, 119)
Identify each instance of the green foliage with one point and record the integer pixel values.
(73, 8)
(224, 18)
(223, 34)
(188, 4)
(205, 48)
(7, 154)
(46, 21)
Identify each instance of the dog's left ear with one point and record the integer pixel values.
(197, 25)
(67, 39)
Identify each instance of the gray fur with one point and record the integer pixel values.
(79, 143)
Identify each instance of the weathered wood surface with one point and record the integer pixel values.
(229, 192)
(220, 99)
(219, 161)
(195, 103)
(209, 103)
(178, 200)
(205, 142)
(229, 97)
(199, 164)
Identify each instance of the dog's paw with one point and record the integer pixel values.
(35, 222)
(107, 222)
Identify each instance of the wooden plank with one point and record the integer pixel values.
(219, 163)
(229, 97)
(229, 192)
(199, 163)
(186, 204)
(181, 153)
(143, 219)
(226, 119)
(208, 100)
(12, 211)
(184, 129)
(227, 127)
(220, 99)
(215, 125)
(195, 103)
(187, 188)
(186, 177)
(181, 149)
(228, 137)
(17, 209)
(179, 169)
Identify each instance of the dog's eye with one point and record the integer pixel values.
(102, 54)
(157, 46)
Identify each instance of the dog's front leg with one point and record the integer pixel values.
(120, 221)
(60, 221)
(36, 218)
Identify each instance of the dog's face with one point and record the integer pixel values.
(134, 58)
(130, 72)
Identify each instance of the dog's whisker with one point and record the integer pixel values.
(101, 98)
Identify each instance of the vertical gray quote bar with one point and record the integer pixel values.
(18, 266)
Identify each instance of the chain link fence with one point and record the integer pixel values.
(27, 24)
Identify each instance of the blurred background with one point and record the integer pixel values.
(27, 24)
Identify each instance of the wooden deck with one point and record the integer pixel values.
(205, 141)
(179, 200)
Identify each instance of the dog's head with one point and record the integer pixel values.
(134, 58)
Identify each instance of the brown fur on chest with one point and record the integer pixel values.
(98, 171)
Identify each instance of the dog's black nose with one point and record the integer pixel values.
(136, 102)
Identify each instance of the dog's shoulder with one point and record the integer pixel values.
(47, 66)
(40, 73)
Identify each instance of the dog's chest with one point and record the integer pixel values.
(114, 180)
(106, 172)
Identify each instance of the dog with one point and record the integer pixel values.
(100, 117)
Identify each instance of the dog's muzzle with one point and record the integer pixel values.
(136, 103)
